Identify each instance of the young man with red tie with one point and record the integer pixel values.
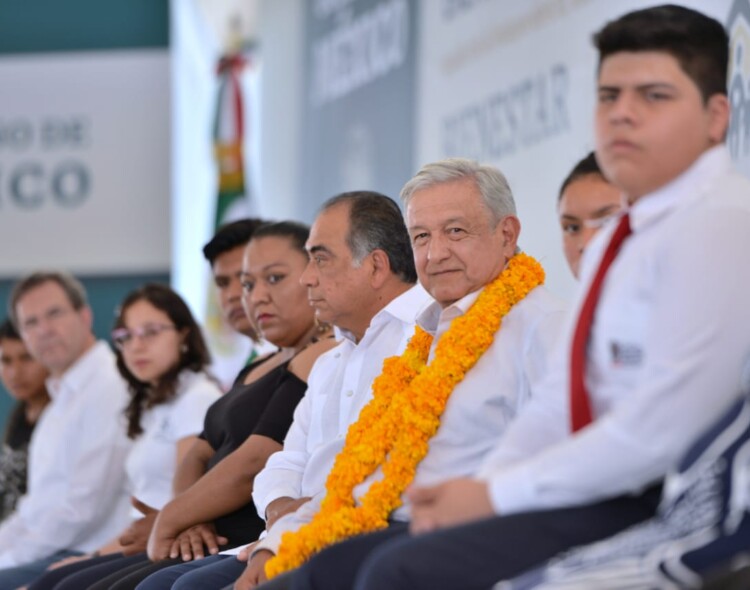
(655, 345)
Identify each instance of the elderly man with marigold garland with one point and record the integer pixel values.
(655, 353)
(438, 409)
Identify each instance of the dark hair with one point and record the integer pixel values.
(8, 331)
(587, 166)
(296, 233)
(230, 236)
(376, 223)
(698, 43)
(17, 417)
(194, 355)
(16, 424)
(72, 287)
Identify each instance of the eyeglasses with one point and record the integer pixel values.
(123, 337)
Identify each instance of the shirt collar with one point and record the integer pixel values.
(403, 308)
(431, 318)
(689, 185)
(81, 371)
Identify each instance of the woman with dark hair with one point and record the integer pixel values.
(162, 356)
(586, 202)
(24, 378)
(247, 424)
(244, 427)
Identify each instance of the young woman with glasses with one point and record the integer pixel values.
(163, 357)
(213, 508)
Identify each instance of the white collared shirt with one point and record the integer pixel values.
(338, 387)
(152, 461)
(670, 337)
(76, 496)
(477, 412)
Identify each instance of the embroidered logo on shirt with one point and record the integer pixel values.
(164, 428)
(625, 354)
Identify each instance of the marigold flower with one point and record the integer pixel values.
(393, 430)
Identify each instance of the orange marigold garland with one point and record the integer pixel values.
(393, 430)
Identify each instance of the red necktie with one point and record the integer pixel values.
(580, 405)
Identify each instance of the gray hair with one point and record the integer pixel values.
(72, 287)
(491, 183)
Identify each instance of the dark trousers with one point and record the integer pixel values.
(107, 572)
(129, 576)
(737, 580)
(82, 574)
(469, 557)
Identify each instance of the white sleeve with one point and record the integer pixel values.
(289, 523)
(698, 343)
(71, 507)
(282, 475)
(189, 411)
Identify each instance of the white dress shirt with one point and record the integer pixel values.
(338, 387)
(76, 494)
(479, 408)
(152, 461)
(671, 334)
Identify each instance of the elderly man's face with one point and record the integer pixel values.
(458, 248)
(54, 331)
(337, 288)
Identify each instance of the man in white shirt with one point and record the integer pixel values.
(463, 230)
(76, 499)
(669, 340)
(360, 278)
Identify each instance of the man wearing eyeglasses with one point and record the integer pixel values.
(76, 498)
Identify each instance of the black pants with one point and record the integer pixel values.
(737, 580)
(82, 574)
(470, 557)
(129, 576)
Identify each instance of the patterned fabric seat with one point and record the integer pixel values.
(702, 529)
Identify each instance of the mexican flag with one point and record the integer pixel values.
(229, 350)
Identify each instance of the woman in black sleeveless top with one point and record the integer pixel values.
(253, 416)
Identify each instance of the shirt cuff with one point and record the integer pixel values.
(270, 542)
(512, 491)
(265, 497)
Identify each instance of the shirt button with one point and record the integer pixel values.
(337, 355)
(349, 393)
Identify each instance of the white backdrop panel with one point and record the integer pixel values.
(513, 84)
(84, 162)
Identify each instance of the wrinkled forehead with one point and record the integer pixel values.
(330, 231)
(42, 297)
(445, 202)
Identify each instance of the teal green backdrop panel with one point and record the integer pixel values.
(38, 26)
